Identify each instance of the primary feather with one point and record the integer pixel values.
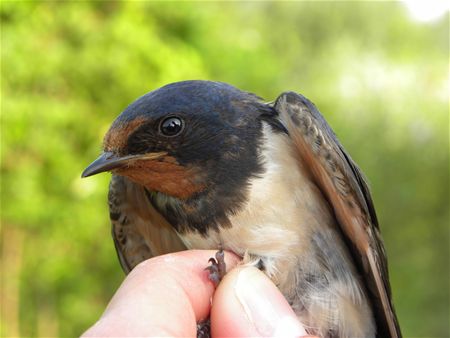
(342, 182)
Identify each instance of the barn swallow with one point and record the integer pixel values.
(204, 165)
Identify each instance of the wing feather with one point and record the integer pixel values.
(343, 184)
(138, 230)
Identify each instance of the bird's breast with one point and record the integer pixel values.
(287, 225)
(283, 209)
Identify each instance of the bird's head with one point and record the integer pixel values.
(185, 138)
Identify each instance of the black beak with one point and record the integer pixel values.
(108, 161)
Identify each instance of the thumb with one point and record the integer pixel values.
(247, 303)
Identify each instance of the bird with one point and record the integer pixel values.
(204, 165)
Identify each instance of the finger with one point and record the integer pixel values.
(163, 296)
(247, 303)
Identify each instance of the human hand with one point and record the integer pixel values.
(168, 295)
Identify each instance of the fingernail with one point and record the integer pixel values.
(265, 308)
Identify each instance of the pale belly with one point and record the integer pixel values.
(289, 227)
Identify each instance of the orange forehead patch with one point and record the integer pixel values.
(117, 136)
(166, 176)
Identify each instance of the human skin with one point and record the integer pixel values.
(167, 295)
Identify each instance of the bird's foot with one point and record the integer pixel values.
(217, 271)
(218, 268)
(204, 329)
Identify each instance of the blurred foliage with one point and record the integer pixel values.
(68, 68)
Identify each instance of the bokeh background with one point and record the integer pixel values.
(378, 71)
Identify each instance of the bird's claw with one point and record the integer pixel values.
(218, 268)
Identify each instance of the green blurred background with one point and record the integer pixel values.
(378, 74)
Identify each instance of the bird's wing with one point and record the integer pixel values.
(344, 186)
(138, 230)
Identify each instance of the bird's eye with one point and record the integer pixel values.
(171, 126)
